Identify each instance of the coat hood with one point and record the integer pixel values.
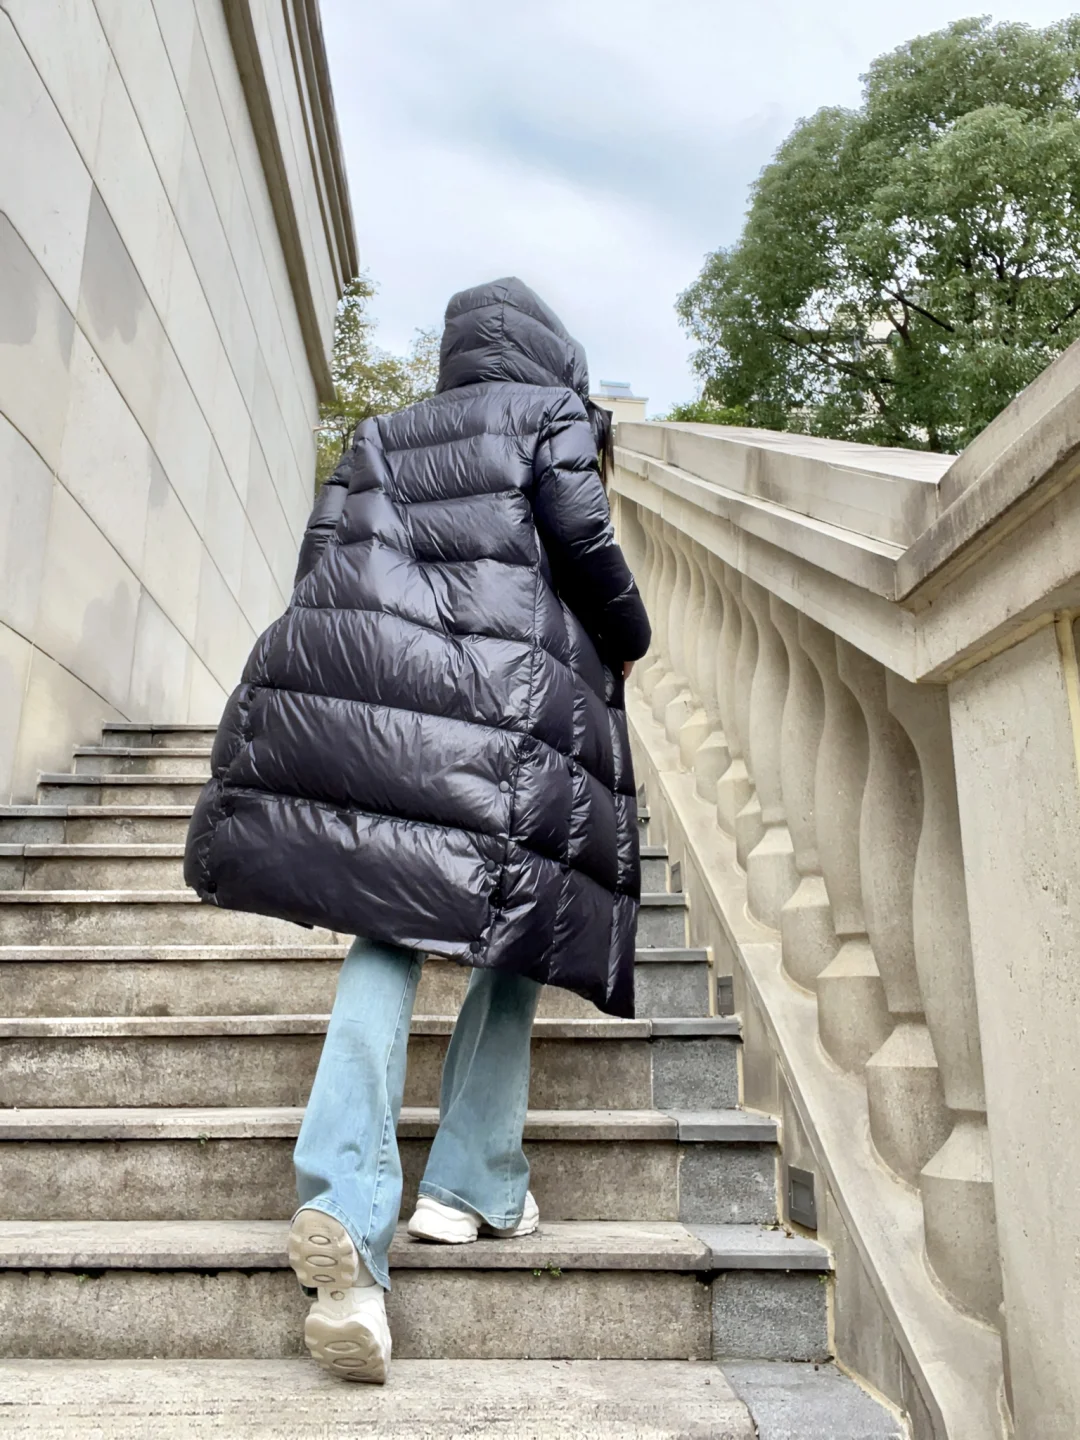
(504, 331)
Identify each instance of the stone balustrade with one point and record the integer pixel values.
(815, 607)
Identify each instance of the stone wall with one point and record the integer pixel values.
(174, 234)
(859, 727)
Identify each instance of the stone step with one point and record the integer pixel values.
(125, 733)
(183, 760)
(91, 867)
(574, 1290)
(271, 1059)
(253, 980)
(654, 868)
(71, 866)
(236, 1163)
(290, 1399)
(126, 790)
(94, 824)
(175, 917)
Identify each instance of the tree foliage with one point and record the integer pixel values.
(907, 267)
(367, 380)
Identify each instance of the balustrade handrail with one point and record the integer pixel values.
(812, 603)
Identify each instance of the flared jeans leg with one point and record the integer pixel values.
(477, 1162)
(346, 1158)
(347, 1161)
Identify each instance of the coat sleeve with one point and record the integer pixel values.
(324, 518)
(574, 521)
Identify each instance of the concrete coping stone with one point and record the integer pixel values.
(32, 850)
(653, 852)
(717, 1126)
(160, 780)
(261, 1244)
(675, 899)
(37, 954)
(144, 752)
(181, 897)
(95, 812)
(123, 1027)
(660, 955)
(137, 727)
(86, 1123)
(696, 1026)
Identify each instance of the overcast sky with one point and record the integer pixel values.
(598, 151)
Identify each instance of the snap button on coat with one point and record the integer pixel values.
(461, 612)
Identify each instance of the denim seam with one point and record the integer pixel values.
(388, 1112)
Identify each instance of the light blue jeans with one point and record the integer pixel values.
(347, 1161)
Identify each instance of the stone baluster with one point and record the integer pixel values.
(738, 656)
(679, 710)
(853, 1018)
(719, 638)
(808, 940)
(675, 682)
(908, 1118)
(703, 632)
(663, 570)
(956, 1182)
(771, 876)
(749, 826)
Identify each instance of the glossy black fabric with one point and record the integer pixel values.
(429, 746)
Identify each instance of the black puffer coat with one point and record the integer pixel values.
(429, 746)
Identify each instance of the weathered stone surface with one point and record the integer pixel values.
(770, 1317)
(444, 1314)
(222, 1068)
(695, 1074)
(732, 1184)
(809, 1402)
(286, 1399)
(239, 1179)
(261, 1245)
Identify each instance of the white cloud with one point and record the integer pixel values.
(597, 150)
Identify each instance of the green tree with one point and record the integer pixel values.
(907, 267)
(368, 380)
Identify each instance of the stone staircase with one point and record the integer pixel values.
(155, 1056)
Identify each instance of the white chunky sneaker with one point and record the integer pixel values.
(432, 1220)
(346, 1333)
(346, 1329)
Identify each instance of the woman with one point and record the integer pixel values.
(429, 750)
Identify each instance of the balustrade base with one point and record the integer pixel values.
(749, 829)
(958, 1206)
(677, 713)
(690, 735)
(733, 790)
(651, 676)
(665, 690)
(908, 1117)
(807, 935)
(711, 759)
(771, 876)
(853, 1018)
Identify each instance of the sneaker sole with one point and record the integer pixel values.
(346, 1348)
(321, 1251)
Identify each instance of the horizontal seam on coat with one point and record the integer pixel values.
(446, 635)
(283, 797)
(458, 720)
(459, 439)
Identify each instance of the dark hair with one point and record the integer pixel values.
(602, 429)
